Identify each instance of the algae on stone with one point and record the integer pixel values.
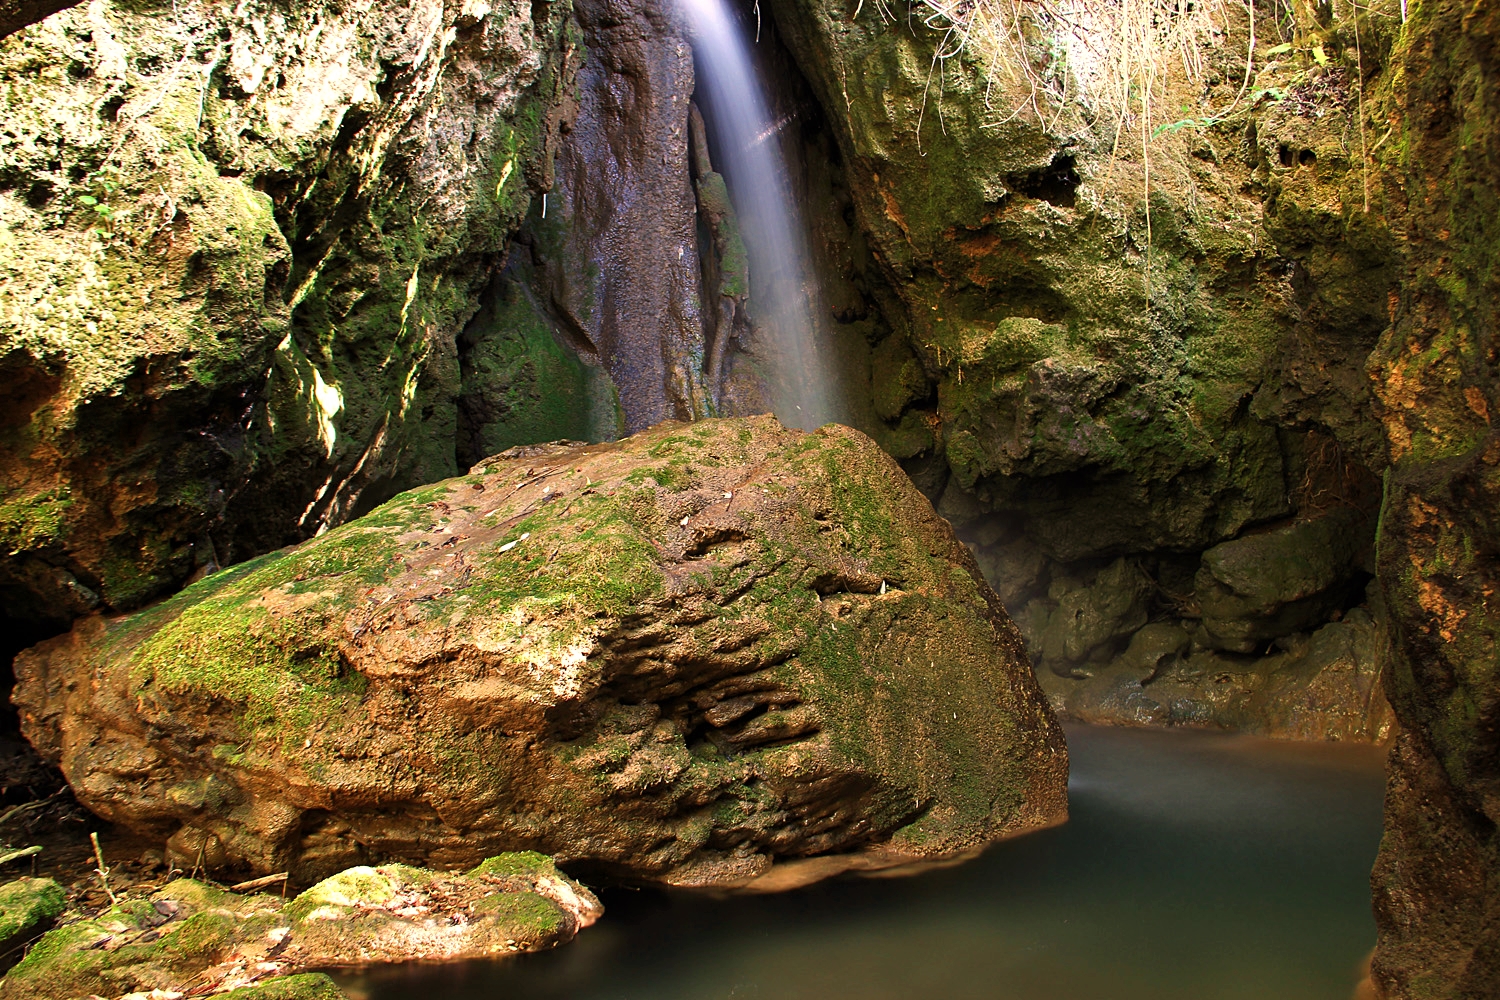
(27, 907)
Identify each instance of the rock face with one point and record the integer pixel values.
(1266, 646)
(1437, 879)
(239, 243)
(1323, 686)
(191, 933)
(618, 250)
(1098, 409)
(679, 658)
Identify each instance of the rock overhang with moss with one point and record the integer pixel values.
(680, 657)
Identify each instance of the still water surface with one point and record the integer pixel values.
(1195, 867)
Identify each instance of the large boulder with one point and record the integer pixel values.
(678, 657)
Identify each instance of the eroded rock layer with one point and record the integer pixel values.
(678, 657)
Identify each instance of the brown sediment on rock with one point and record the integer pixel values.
(676, 658)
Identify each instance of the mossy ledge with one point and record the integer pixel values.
(678, 657)
(195, 934)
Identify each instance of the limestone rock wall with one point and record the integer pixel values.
(239, 243)
(1437, 880)
(1096, 450)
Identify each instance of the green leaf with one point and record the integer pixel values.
(1319, 56)
(88, 199)
(1178, 126)
(1281, 49)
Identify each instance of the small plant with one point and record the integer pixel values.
(98, 203)
(102, 870)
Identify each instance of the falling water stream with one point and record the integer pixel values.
(749, 154)
(1196, 866)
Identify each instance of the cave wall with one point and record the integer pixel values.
(1311, 388)
(239, 245)
(1098, 451)
(1437, 879)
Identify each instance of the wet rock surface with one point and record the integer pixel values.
(194, 936)
(1323, 686)
(680, 657)
(617, 254)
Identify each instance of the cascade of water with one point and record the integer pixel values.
(802, 386)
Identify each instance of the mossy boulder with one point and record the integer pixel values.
(306, 986)
(159, 942)
(194, 933)
(679, 657)
(27, 908)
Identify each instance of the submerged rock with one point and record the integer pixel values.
(677, 657)
(190, 933)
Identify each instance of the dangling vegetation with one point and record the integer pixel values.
(1141, 70)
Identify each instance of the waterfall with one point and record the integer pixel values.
(783, 288)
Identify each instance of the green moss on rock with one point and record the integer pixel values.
(308, 986)
(694, 617)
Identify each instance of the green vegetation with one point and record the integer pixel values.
(31, 521)
(515, 864)
(307, 986)
(27, 906)
(530, 915)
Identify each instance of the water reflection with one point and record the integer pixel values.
(1195, 866)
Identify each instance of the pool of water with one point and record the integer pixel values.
(1195, 866)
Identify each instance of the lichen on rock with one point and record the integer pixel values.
(678, 658)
